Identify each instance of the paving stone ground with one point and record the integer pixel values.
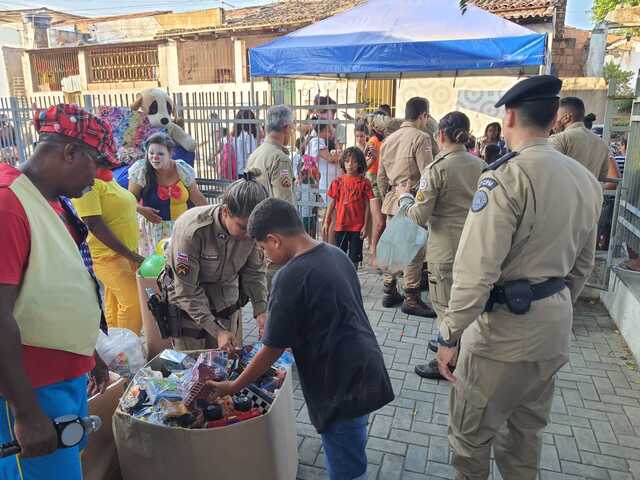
(594, 432)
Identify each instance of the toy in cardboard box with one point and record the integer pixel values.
(151, 112)
(170, 424)
(210, 366)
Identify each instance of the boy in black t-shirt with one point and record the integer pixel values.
(316, 309)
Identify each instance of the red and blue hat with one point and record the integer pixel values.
(72, 121)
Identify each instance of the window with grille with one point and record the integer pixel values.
(48, 68)
(206, 61)
(123, 64)
(377, 92)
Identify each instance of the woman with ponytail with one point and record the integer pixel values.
(216, 268)
(443, 200)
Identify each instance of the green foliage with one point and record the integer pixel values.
(613, 72)
(602, 7)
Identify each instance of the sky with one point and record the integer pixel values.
(578, 11)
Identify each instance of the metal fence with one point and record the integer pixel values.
(626, 234)
(214, 119)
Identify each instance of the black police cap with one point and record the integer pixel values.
(535, 88)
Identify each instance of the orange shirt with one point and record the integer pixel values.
(372, 150)
(352, 195)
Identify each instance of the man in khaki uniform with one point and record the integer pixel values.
(214, 267)
(272, 166)
(526, 250)
(576, 141)
(444, 196)
(404, 155)
(270, 162)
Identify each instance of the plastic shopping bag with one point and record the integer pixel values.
(122, 351)
(400, 242)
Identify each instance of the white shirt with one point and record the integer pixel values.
(244, 145)
(328, 170)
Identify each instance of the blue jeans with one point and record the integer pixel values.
(64, 398)
(344, 442)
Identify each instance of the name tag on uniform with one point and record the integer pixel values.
(212, 258)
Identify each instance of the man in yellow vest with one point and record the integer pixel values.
(50, 309)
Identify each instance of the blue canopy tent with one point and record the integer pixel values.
(391, 38)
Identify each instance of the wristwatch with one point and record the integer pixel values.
(406, 199)
(445, 343)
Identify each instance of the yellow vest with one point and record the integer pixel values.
(57, 306)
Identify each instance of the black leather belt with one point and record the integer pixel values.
(519, 294)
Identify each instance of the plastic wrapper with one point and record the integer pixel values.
(400, 243)
(211, 365)
(122, 351)
(283, 363)
(164, 389)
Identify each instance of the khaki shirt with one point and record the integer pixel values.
(430, 129)
(534, 217)
(579, 143)
(443, 200)
(273, 167)
(208, 265)
(403, 156)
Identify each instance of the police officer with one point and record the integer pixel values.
(270, 162)
(271, 165)
(404, 155)
(574, 140)
(214, 264)
(526, 250)
(443, 200)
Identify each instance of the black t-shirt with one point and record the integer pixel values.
(316, 309)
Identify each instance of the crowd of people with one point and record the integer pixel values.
(513, 222)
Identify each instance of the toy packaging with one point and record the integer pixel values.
(170, 423)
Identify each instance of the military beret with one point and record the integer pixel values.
(535, 88)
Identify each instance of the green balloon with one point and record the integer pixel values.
(152, 266)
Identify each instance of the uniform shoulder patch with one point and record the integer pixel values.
(420, 196)
(480, 200)
(423, 183)
(488, 183)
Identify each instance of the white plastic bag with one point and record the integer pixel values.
(122, 351)
(400, 242)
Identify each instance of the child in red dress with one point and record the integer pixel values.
(350, 194)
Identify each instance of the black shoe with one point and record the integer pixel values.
(392, 298)
(430, 370)
(433, 345)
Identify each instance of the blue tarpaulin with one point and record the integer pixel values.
(393, 37)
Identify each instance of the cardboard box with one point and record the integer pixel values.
(264, 447)
(151, 337)
(99, 458)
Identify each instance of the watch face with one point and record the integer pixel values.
(71, 434)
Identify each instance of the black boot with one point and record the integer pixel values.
(392, 297)
(433, 345)
(430, 370)
(413, 304)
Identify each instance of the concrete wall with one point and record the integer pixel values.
(623, 303)
(9, 37)
(124, 30)
(474, 96)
